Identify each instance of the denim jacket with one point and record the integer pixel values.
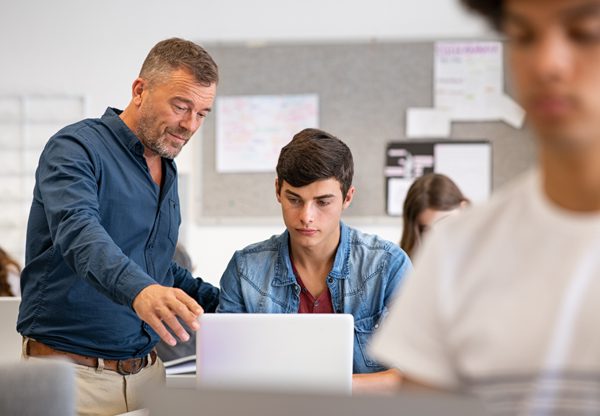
(365, 275)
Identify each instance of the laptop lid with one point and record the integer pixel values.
(10, 345)
(276, 352)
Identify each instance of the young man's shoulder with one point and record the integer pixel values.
(258, 260)
(270, 245)
(361, 241)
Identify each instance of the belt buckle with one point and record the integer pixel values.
(136, 365)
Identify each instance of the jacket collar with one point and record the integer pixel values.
(284, 273)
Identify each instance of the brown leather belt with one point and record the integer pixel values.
(123, 367)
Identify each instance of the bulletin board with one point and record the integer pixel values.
(364, 90)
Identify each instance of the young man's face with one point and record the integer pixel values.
(172, 111)
(554, 52)
(312, 213)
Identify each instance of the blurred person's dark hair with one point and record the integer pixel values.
(492, 10)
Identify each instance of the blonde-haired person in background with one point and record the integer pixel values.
(10, 272)
(431, 198)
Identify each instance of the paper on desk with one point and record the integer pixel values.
(183, 365)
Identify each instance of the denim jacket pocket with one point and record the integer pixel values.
(364, 329)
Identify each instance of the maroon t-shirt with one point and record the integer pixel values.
(310, 304)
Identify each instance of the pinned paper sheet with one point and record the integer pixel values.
(252, 129)
(469, 86)
(427, 123)
(396, 194)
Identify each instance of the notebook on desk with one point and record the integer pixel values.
(183, 365)
(276, 352)
(10, 339)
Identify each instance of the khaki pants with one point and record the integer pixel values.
(103, 392)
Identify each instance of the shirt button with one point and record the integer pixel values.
(330, 280)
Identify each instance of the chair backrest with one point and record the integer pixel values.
(10, 344)
(40, 387)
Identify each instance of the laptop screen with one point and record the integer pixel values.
(276, 352)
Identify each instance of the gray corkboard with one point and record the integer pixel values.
(364, 90)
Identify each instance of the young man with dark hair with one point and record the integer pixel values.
(319, 264)
(504, 298)
(99, 287)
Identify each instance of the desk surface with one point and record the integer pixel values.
(181, 381)
(207, 402)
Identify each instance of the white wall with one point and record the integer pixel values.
(95, 48)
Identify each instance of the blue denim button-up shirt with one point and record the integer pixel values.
(366, 273)
(100, 230)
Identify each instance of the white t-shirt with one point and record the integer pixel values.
(505, 302)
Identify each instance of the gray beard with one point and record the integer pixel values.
(155, 144)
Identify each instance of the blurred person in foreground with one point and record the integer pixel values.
(504, 299)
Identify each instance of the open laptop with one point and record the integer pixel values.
(10, 339)
(276, 352)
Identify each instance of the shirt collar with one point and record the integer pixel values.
(122, 131)
(126, 136)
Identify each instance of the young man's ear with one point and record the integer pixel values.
(277, 190)
(349, 196)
